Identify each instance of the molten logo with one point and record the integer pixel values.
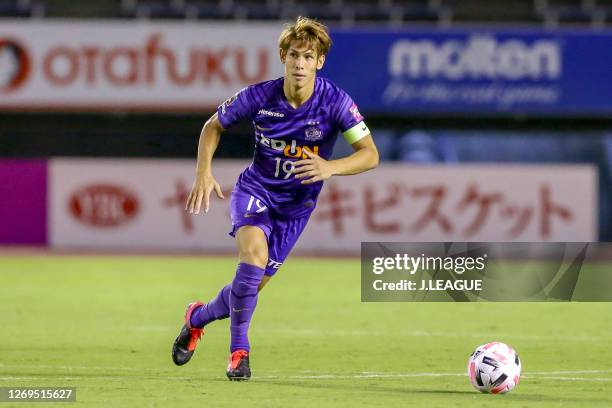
(478, 57)
(103, 205)
(14, 65)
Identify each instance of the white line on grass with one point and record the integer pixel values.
(89, 377)
(596, 379)
(415, 375)
(570, 372)
(294, 377)
(541, 375)
(361, 374)
(355, 376)
(63, 367)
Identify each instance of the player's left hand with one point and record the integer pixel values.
(313, 169)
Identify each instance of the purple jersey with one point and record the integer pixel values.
(282, 133)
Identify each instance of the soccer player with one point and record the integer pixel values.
(296, 120)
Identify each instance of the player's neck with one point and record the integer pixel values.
(297, 96)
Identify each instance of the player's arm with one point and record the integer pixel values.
(363, 159)
(315, 168)
(205, 182)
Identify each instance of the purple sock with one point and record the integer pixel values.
(243, 299)
(216, 309)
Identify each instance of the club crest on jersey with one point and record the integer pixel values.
(313, 133)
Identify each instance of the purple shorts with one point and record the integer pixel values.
(282, 234)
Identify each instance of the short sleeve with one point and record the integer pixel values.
(238, 107)
(349, 120)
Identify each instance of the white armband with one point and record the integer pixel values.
(357, 132)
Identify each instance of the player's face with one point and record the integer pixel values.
(301, 64)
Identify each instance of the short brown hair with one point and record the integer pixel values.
(306, 30)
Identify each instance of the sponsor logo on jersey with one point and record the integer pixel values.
(270, 113)
(289, 149)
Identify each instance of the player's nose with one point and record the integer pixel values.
(300, 62)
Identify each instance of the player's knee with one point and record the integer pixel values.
(247, 280)
(254, 254)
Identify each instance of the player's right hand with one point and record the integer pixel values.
(202, 187)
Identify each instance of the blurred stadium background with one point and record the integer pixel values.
(441, 83)
(494, 123)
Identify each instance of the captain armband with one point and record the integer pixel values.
(356, 133)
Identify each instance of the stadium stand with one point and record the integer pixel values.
(498, 11)
(19, 8)
(550, 13)
(556, 12)
(323, 9)
(209, 9)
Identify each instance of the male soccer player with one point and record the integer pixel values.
(296, 119)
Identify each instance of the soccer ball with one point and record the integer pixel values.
(494, 368)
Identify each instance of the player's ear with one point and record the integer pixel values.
(282, 55)
(320, 61)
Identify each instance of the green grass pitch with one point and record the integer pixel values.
(105, 325)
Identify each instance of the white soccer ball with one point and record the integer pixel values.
(494, 368)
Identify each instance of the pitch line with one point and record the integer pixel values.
(570, 372)
(417, 375)
(595, 379)
(362, 373)
(297, 377)
(539, 375)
